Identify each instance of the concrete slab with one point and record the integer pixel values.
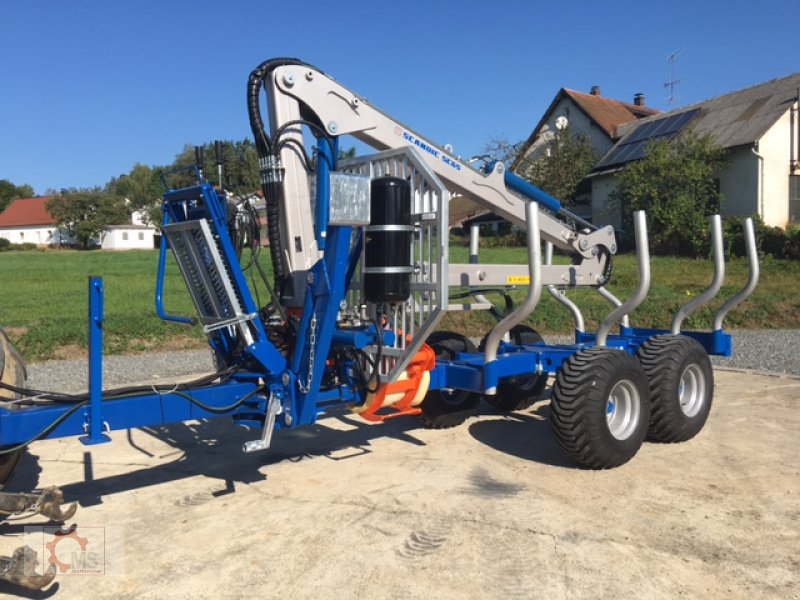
(491, 509)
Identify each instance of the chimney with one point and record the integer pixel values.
(595, 91)
(638, 99)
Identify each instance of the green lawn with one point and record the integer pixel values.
(43, 303)
(43, 299)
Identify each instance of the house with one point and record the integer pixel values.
(128, 237)
(760, 127)
(592, 115)
(27, 221)
(596, 118)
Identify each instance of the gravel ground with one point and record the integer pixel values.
(773, 351)
(72, 375)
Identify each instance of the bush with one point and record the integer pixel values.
(770, 241)
(8, 246)
(490, 240)
(792, 247)
(773, 241)
(674, 183)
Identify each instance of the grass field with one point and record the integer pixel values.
(44, 308)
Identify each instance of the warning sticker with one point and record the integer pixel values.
(518, 280)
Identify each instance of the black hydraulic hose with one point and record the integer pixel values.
(273, 198)
(254, 113)
(272, 189)
(46, 431)
(257, 78)
(55, 397)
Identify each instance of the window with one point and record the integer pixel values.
(141, 236)
(794, 198)
(124, 236)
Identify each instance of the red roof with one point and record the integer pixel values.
(26, 212)
(607, 113)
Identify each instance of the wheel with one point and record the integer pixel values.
(12, 372)
(600, 407)
(518, 393)
(681, 386)
(445, 408)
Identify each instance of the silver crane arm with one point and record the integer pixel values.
(295, 89)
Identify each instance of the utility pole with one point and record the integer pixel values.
(670, 85)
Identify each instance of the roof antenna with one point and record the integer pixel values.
(672, 81)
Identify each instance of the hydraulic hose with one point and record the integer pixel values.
(271, 185)
(273, 196)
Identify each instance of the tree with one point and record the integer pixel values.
(561, 167)
(85, 213)
(348, 154)
(142, 187)
(240, 167)
(500, 149)
(10, 192)
(675, 183)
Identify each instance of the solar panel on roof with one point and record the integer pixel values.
(642, 132)
(634, 145)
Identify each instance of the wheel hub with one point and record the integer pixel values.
(623, 409)
(692, 390)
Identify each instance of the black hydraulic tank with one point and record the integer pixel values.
(387, 250)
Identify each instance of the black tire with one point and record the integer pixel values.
(681, 386)
(447, 408)
(600, 407)
(12, 372)
(521, 392)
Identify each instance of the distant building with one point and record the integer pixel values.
(760, 128)
(596, 118)
(128, 237)
(591, 115)
(27, 221)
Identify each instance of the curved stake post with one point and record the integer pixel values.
(716, 282)
(534, 291)
(752, 281)
(559, 297)
(643, 261)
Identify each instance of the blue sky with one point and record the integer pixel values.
(90, 87)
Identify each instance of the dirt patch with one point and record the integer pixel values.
(15, 333)
(70, 352)
(133, 346)
(177, 342)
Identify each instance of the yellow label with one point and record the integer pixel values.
(518, 280)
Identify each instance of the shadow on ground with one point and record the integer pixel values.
(214, 449)
(526, 435)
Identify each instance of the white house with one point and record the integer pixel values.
(27, 220)
(760, 127)
(128, 237)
